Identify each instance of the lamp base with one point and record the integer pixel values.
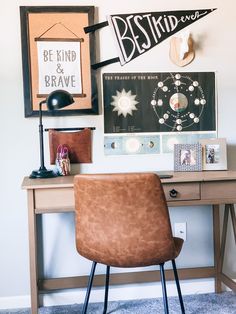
(42, 173)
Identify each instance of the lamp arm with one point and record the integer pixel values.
(42, 166)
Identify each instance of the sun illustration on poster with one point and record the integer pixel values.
(124, 102)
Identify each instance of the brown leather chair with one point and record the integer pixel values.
(122, 220)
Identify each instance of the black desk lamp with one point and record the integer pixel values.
(56, 100)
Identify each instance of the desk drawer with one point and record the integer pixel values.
(219, 190)
(58, 198)
(185, 191)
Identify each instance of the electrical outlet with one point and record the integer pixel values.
(180, 230)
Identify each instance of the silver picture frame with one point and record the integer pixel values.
(188, 157)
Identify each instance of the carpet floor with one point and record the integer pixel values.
(224, 303)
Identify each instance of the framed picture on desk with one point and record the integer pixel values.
(214, 154)
(187, 157)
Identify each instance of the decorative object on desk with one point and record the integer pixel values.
(181, 49)
(79, 144)
(187, 157)
(57, 54)
(214, 154)
(56, 100)
(62, 161)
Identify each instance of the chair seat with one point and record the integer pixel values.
(148, 256)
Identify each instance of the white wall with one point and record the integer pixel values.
(215, 37)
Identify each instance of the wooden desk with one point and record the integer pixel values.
(193, 188)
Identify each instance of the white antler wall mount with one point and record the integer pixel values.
(181, 49)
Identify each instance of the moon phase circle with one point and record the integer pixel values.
(178, 102)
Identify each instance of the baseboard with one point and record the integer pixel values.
(14, 302)
(124, 292)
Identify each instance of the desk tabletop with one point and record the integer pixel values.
(177, 177)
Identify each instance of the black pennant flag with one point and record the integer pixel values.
(139, 32)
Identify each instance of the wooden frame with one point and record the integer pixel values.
(187, 157)
(214, 154)
(57, 54)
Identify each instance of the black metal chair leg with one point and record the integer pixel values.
(90, 283)
(178, 287)
(106, 290)
(163, 283)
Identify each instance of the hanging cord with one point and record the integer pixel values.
(55, 25)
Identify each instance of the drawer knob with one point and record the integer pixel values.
(173, 193)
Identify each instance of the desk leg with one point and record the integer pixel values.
(229, 208)
(33, 253)
(232, 212)
(216, 237)
(223, 236)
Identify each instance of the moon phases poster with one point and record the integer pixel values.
(147, 113)
(159, 102)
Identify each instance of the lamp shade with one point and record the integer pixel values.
(59, 99)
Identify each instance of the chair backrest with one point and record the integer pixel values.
(122, 219)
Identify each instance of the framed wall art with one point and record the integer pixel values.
(57, 54)
(187, 157)
(159, 102)
(214, 154)
(177, 107)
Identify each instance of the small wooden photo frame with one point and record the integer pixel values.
(188, 157)
(214, 154)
